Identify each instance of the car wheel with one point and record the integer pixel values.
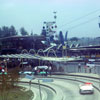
(80, 92)
(92, 92)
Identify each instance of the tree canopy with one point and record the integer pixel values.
(23, 31)
(6, 31)
(74, 39)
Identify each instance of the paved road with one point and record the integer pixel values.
(69, 90)
(65, 90)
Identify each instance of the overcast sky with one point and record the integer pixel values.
(31, 14)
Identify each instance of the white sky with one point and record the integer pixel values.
(31, 14)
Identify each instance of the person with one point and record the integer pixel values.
(90, 70)
(85, 67)
(49, 70)
(95, 69)
(79, 67)
(3, 70)
(35, 70)
(0, 69)
(46, 70)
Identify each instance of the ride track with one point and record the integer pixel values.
(64, 77)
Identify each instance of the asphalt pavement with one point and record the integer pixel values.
(65, 89)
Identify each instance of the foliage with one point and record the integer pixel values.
(9, 90)
(17, 93)
(23, 31)
(13, 31)
(7, 31)
(14, 75)
(8, 82)
(74, 39)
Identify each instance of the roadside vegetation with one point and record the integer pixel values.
(9, 89)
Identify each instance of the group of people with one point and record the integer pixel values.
(87, 68)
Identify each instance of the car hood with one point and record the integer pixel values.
(86, 87)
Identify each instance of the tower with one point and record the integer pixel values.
(50, 28)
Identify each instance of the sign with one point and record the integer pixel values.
(91, 59)
(47, 80)
(29, 77)
(90, 65)
(64, 47)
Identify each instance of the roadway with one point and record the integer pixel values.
(65, 90)
(69, 90)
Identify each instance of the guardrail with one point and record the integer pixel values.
(75, 76)
(40, 84)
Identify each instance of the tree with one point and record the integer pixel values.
(23, 31)
(5, 31)
(74, 39)
(12, 31)
(0, 33)
(9, 81)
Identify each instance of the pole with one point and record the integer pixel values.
(30, 85)
(39, 62)
(99, 66)
(40, 90)
(99, 82)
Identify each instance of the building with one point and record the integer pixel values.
(15, 44)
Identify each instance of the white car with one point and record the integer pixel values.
(86, 88)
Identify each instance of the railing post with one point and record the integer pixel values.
(40, 90)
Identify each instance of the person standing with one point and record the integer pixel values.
(0, 69)
(35, 71)
(49, 70)
(79, 67)
(85, 68)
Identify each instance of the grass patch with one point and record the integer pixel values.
(16, 93)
